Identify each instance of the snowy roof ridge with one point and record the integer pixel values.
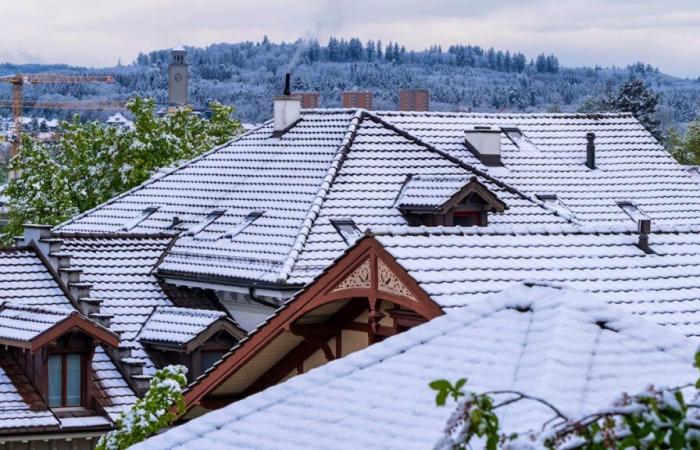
(484, 175)
(157, 176)
(321, 195)
(405, 230)
(614, 114)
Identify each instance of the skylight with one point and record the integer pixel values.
(347, 230)
(247, 220)
(632, 210)
(520, 140)
(211, 217)
(553, 201)
(143, 215)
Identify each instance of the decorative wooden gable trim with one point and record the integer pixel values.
(478, 188)
(366, 271)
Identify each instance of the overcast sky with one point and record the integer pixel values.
(584, 32)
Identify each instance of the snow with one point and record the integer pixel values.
(542, 340)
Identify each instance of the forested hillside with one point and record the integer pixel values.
(461, 77)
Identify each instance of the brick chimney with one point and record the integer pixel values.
(414, 100)
(309, 100)
(357, 99)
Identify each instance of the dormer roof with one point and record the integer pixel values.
(185, 328)
(438, 194)
(33, 327)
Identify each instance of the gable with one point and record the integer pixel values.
(353, 296)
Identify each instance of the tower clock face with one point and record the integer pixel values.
(178, 77)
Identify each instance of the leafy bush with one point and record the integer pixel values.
(92, 162)
(150, 413)
(654, 419)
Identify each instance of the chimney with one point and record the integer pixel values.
(484, 141)
(309, 100)
(287, 109)
(644, 228)
(590, 150)
(357, 99)
(414, 100)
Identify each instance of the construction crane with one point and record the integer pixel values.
(18, 104)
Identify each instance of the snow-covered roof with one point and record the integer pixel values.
(457, 266)
(34, 299)
(337, 164)
(175, 326)
(332, 164)
(631, 164)
(25, 279)
(119, 269)
(565, 346)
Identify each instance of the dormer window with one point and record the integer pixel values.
(447, 201)
(65, 380)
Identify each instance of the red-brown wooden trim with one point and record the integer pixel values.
(310, 298)
(73, 322)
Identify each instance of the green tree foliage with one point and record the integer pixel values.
(686, 149)
(632, 96)
(92, 163)
(655, 419)
(635, 97)
(161, 405)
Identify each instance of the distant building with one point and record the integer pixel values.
(177, 77)
(414, 100)
(309, 100)
(357, 99)
(119, 121)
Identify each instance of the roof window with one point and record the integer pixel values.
(347, 230)
(243, 224)
(554, 203)
(143, 215)
(211, 217)
(520, 140)
(632, 210)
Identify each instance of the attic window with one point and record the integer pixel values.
(347, 230)
(448, 201)
(632, 210)
(65, 380)
(211, 217)
(243, 224)
(553, 201)
(130, 225)
(520, 140)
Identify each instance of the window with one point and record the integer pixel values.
(518, 138)
(632, 210)
(250, 218)
(65, 380)
(347, 230)
(143, 215)
(211, 357)
(467, 218)
(211, 217)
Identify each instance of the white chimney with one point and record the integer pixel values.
(287, 109)
(485, 142)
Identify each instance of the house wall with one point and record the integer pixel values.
(42, 443)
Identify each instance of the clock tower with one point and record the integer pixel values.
(177, 77)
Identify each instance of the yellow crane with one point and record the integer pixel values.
(17, 103)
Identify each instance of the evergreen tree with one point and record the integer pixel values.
(635, 97)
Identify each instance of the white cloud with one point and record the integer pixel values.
(98, 32)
